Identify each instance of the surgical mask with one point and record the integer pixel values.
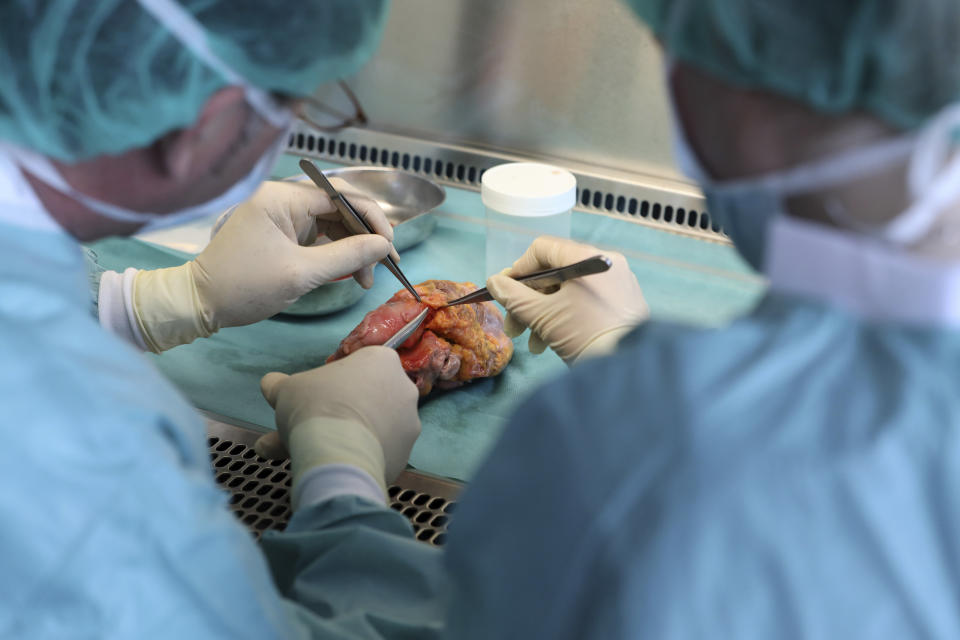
(185, 28)
(744, 207)
(41, 167)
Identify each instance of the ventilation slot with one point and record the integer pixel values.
(612, 203)
(461, 173)
(339, 151)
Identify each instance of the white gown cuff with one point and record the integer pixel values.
(331, 480)
(115, 305)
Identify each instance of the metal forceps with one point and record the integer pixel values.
(353, 220)
(408, 329)
(545, 279)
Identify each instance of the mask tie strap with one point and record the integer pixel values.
(837, 170)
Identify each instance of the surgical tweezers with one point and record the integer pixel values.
(354, 222)
(545, 279)
(408, 329)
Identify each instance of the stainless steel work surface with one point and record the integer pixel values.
(260, 489)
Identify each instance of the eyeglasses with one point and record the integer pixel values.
(329, 119)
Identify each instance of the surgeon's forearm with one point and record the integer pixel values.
(154, 310)
(167, 309)
(115, 306)
(394, 583)
(329, 481)
(110, 294)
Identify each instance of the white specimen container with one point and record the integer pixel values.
(524, 200)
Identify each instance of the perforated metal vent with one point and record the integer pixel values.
(652, 201)
(260, 489)
(429, 513)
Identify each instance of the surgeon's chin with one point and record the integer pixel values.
(74, 218)
(99, 227)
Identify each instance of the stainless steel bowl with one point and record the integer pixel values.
(327, 298)
(406, 198)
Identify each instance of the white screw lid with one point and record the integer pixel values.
(528, 189)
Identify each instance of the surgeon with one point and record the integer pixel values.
(794, 474)
(123, 116)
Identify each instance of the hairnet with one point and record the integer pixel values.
(897, 59)
(80, 78)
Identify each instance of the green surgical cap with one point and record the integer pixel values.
(897, 59)
(81, 78)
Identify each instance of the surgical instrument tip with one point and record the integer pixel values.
(353, 220)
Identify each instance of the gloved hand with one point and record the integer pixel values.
(360, 411)
(585, 317)
(257, 265)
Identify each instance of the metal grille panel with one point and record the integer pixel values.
(260, 489)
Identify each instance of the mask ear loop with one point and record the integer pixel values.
(933, 179)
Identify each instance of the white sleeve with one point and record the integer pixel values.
(331, 480)
(115, 306)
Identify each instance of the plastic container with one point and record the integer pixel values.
(524, 200)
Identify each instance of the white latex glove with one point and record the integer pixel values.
(585, 317)
(359, 411)
(257, 264)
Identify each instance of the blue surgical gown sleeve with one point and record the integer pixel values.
(357, 568)
(791, 476)
(94, 275)
(111, 524)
